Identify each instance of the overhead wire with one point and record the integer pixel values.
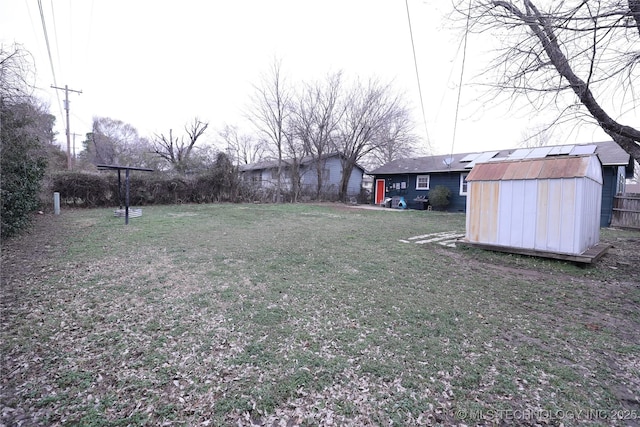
(415, 62)
(461, 80)
(33, 25)
(71, 33)
(55, 35)
(46, 39)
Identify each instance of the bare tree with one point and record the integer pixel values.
(115, 142)
(396, 138)
(317, 114)
(589, 49)
(111, 141)
(368, 110)
(536, 136)
(241, 148)
(177, 151)
(270, 111)
(17, 78)
(294, 150)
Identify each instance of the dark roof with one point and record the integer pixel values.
(265, 164)
(610, 154)
(272, 164)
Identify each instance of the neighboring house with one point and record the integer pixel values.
(265, 175)
(413, 178)
(367, 183)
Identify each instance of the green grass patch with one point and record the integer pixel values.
(308, 314)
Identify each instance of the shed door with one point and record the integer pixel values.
(379, 191)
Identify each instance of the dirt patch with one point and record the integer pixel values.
(28, 255)
(614, 280)
(623, 256)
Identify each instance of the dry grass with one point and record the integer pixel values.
(308, 315)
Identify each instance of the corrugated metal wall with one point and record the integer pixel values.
(554, 214)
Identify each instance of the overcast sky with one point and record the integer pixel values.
(157, 64)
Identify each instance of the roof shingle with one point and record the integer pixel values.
(610, 154)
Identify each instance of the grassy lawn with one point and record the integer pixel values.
(309, 315)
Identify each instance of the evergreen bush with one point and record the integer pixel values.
(23, 163)
(439, 197)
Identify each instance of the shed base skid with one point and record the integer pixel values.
(589, 256)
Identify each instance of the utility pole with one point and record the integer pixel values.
(74, 146)
(66, 107)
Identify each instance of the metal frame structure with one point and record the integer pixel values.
(126, 180)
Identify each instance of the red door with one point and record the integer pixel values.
(379, 191)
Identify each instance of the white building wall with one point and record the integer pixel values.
(560, 215)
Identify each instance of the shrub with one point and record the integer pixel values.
(99, 189)
(23, 164)
(439, 196)
(83, 189)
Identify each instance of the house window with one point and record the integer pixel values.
(422, 182)
(256, 178)
(463, 184)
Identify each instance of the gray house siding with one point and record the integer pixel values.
(333, 166)
(263, 174)
(354, 187)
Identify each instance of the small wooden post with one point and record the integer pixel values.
(56, 203)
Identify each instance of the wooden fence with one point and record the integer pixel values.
(626, 211)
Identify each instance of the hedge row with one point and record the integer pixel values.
(100, 189)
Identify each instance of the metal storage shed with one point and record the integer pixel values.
(546, 206)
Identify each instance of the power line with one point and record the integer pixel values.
(464, 59)
(71, 32)
(46, 39)
(55, 33)
(415, 62)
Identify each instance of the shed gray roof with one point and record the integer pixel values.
(610, 154)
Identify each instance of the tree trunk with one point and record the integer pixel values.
(347, 169)
(279, 181)
(319, 177)
(626, 136)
